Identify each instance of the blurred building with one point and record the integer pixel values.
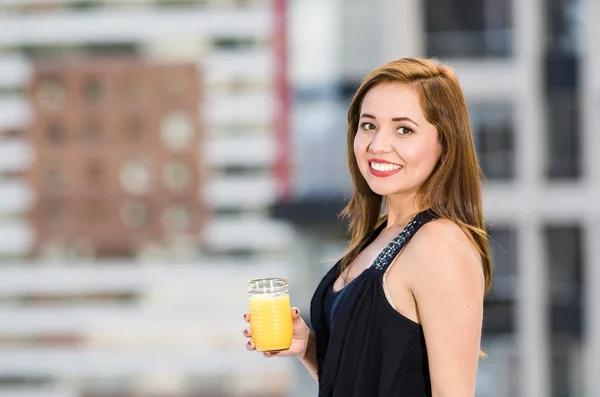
(116, 164)
(243, 98)
(141, 145)
(530, 74)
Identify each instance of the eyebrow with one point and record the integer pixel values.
(368, 116)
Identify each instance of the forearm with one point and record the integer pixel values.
(309, 359)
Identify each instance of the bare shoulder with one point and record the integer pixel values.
(441, 238)
(442, 251)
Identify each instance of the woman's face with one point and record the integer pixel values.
(396, 148)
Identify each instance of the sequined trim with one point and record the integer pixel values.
(395, 246)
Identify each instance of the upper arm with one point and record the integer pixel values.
(446, 279)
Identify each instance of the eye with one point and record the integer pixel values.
(405, 130)
(367, 126)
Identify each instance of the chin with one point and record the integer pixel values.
(388, 187)
(385, 189)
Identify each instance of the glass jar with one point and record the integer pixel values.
(270, 314)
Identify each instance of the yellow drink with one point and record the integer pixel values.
(271, 322)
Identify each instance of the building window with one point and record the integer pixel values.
(243, 84)
(133, 127)
(135, 177)
(235, 43)
(93, 173)
(134, 214)
(135, 91)
(493, 132)
(503, 249)
(562, 82)
(96, 211)
(468, 28)
(108, 49)
(93, 91)
(564, 255)
(563, 26)
(93, 132)
(176, 130)
(56, 134)
(176, 87)
(500, 303)
(51, 94)
(563, 161)
(176, 218)
(12, 381)
(56, 214)
(236, 170)
(54, 179)
(180, 3)
(176, 175)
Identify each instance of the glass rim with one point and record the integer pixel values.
(266, 280)
(254, 280)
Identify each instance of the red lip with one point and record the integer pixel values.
(381, 161)
(383, 174)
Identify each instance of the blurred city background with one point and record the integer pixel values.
(157, 154)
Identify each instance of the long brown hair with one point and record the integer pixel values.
(453, 189)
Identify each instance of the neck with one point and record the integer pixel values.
(401, 209)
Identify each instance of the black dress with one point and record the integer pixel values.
(369, 349)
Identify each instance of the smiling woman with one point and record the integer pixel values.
(393, 318)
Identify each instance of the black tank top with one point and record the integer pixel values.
(364, 346)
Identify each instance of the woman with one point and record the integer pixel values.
(392, 318)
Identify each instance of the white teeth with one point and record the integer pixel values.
(384, 167)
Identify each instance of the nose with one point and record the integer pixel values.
(380, 142)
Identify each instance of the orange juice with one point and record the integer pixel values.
(271, 322)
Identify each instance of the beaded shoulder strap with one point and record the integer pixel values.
(388, 254)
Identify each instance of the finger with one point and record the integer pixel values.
(270, 354)
(295, 313)
(297, 320)
(247, 332)
(247, 316)
(250, 345)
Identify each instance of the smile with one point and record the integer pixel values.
(384, 169)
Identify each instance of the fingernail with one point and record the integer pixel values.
(245, 316)
(296, 312)
(267, 354)
(248, 344)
